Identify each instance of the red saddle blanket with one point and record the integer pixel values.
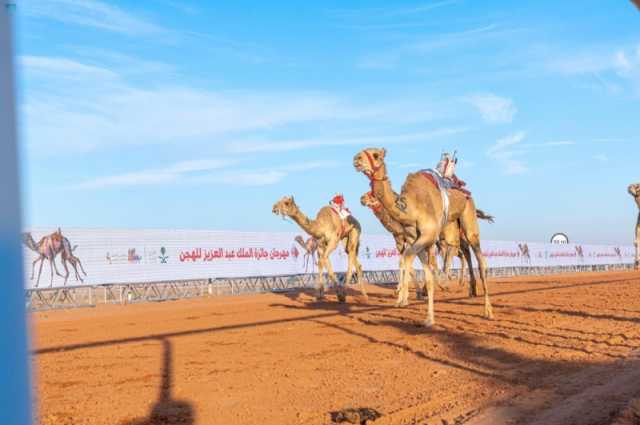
(448, 184)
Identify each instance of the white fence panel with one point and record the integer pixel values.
(133, 256)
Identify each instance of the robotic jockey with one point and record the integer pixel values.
(337, 203)
(447, 170)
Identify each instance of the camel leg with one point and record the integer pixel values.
(33, 265)
(354, 263)
(446, 266)
(80, 264)
(637, 244)
(400, 273)
(472, 234)
(39, 271)
(473, 284)
(482, 262)
(55, 267)
(74, 263)
(66, 269)
(429, 277)
(340, 291)
(465, 260)
(462, 264)
(359, 275)
(348, 275)
(331, 246)
(420, 289)
(51, 266)
(405, 275)
(321, 280)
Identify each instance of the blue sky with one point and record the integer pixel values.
(171, 114)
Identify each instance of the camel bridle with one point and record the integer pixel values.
(375, 208)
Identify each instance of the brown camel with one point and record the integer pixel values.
(451, 243)
(634, 190)
(420, 204)
(397, 230)
(454, 243)
(47, 249)
(328, 229)
(310, 247)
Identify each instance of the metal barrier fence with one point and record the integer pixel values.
(41, 299)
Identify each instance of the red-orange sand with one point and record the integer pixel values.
(560, 351)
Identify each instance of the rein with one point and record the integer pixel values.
(374, 169)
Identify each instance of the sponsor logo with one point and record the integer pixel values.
(560, 238)
(163, 257)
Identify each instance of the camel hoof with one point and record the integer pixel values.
(342, 298)
(488, 314)
(401, 304)
(429, 323)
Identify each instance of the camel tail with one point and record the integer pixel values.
(484, 216)
(74, 248)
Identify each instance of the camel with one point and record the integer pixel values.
(310, 247)
(451, 243)
(420, 206)
(47, 249)
(524, 252)
(328, 229)
(634, 190)
(397, 230)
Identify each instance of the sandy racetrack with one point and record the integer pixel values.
(560, 351)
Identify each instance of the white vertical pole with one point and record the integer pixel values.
(15, 393)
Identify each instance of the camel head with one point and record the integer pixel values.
(28, 241)
(370, 161)
(370, 201)
(634, 189)
(285, 207)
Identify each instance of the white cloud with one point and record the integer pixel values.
(559, 143)
(377, 14)
(63, 67)
(194, 172)
(171, 174)
(612, 68)
(98, 108)
(90, 13)
(494, 109)
(610, 140)
(503, 154)
(300, 144)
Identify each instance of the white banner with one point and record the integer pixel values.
(132, 256)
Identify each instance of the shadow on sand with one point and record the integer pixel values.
(167, 410)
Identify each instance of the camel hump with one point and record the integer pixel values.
(352, 221)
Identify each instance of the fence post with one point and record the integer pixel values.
(15, 398)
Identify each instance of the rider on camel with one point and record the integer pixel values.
(447, 170)
(337, 203)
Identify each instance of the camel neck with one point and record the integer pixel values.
(308, 225)
(387, 222)
(30, 243)
(383, 191)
